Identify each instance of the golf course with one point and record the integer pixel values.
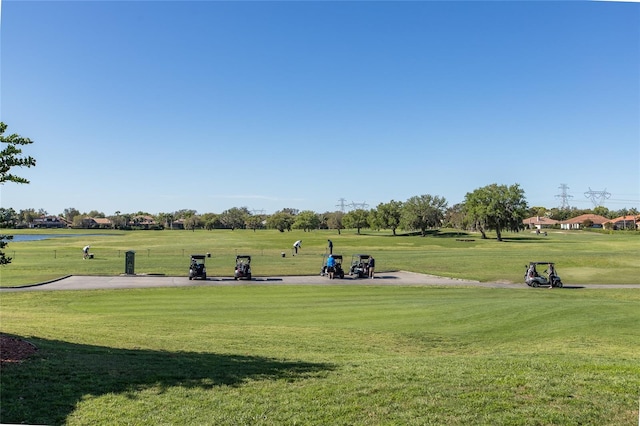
(356, 352)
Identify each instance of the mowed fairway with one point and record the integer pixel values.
(345, 355)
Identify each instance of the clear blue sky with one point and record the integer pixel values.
(160, 106)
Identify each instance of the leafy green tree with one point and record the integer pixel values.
(358, 219)
(255, 221)
(234, 218)
(79, 221)
(27, 216)
(165, 219)
(192, 222)
(70, 213)
(324, 220)
(291, 211)
(10, 157)
(423, 212)
(280, 220)
(306, 220)
(8, 218)
(386, 216)
(211, 221)
(334, 221)
(497, 207)
(559, 214)
(603, 211)
(454, 217)
(537, 211)
(117, 220)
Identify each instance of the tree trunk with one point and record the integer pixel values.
(484, 236)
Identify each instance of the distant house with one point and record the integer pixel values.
(50, 222)
(578, 222)
(96, 222)
(539, 222)
(144, 222)
(178, 224)
(624, 222)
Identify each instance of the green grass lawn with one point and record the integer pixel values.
(581, 257)
(339, 355)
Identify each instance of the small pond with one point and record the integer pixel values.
(39, 237)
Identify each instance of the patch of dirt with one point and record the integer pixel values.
(14, 350)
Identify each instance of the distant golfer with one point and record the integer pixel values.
(330, 246)
(85, 252)
(297, 245)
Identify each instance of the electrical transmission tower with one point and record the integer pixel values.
(342, 204)
(564, 196)
(356, 206)
(597, 197)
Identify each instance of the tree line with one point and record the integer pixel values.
(493, 207)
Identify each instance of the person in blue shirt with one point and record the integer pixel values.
(331, 266)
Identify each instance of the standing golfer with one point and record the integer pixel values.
(331, 266)
(330, 246)
(296, 246)
(372, 266)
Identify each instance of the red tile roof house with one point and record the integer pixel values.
(578, 222)
(539, 222)
(143, 221)
(49, 222)
(625, 222)
(96, 222)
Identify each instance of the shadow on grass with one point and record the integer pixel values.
(45, 388)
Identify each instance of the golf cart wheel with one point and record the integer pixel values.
(204, 277)
(190, 277)
(536, 284)
(249, 277)
(342, 275)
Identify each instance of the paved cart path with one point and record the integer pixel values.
(78, 282)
